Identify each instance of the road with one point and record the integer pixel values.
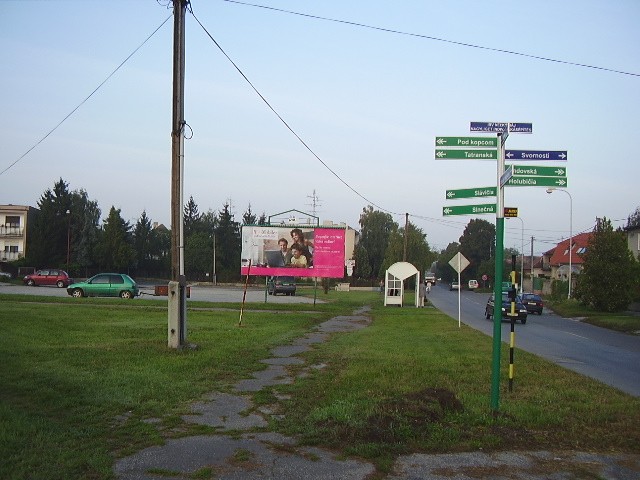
(201, 293)
(610, 357)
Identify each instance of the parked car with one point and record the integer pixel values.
(533, 303)
(105, 285)
(48, 276)
(286, 285)
(473, 284)
(521, 310)
(454, 285)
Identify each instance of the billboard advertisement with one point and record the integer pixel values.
(298, 251)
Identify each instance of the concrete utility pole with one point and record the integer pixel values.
(177, 328)
(406, 235)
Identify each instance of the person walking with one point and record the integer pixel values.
(421, 294)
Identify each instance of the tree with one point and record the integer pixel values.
(143, 242)
(375, 230)
(633, 220)
(248, 217)
(477, 243)
(228, 245)
(198, 258)
(418, 252)
(85, 225)
(51, 229)
(115, 250)
(446, 271)
(191, 218)
(363, 266)
(610, 273)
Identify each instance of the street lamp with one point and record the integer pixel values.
(68, 237)
(551, 190)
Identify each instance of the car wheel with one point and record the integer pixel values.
(487, 316)
(523, 321)
(60, 284)
(31, 283)
(540, 312)
(77, 293)
(126, 294)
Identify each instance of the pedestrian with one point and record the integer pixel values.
(421, 294)
(428, 287)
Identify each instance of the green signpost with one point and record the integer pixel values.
(538, 171)
(476, 142)
(537, 182)
(469, 209)
(472, 193)
(466, 154)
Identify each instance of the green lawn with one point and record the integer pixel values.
(80, 380)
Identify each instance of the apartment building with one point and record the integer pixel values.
(14, 223)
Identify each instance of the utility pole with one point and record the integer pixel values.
(532, 264)
(406, 234)
(177, 328)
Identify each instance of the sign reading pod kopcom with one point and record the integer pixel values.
(323, 248)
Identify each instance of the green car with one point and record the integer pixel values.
(105, 285)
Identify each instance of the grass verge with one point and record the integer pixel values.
(80, 380)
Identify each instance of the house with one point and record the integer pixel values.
(558, 258)
(14, 225)
(633, 240)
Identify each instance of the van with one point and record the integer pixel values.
(473, 284)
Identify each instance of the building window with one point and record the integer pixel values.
(11, 248)
(12, 221)
(581, 250)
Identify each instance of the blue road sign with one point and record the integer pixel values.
(521, 127)
(489, 127)
(500, 127)
(560, 155)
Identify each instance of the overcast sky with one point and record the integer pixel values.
(369, 102)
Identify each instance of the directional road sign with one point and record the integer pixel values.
(506, 176)
(559, 155)
(537, 182)
(536, 171)
(481, 142)
(469, 209)
(501, 127)
(467, 154)
(471, 193)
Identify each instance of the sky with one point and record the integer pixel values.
(367, 93)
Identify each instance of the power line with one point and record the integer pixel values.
(283, 121)
(86, 99)
(437, 39)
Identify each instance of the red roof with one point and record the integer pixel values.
(561, 252)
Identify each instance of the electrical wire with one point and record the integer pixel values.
(437, 39)
(284, 122)
(86, 99)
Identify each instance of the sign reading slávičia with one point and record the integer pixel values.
(471, 193)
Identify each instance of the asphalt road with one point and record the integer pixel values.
(203, 293)
(610, 357)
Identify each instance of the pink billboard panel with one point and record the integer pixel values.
(298, 251)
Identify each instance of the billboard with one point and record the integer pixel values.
(298, 251)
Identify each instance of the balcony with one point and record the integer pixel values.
(11, 231)
(10, 256)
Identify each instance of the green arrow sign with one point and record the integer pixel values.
(469, 209)
(537, 182)
(478, 142)
(471, 193)
(467, 154)
(537, 171)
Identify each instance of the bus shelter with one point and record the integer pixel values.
(394, 279)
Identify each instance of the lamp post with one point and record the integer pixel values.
(551, 190)
(68, 237)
